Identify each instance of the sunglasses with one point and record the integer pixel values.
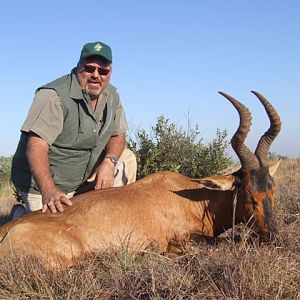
(91, 69)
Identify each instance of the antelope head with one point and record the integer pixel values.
(256, 187)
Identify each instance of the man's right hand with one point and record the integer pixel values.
(54, 201)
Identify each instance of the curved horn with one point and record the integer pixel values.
(263, 146)
(247, 158)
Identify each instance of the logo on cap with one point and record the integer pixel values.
(98, 47)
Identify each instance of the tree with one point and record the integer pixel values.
(179, 150)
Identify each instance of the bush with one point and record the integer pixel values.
(179, 150)
(5, 168)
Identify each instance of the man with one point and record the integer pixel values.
(73, 138)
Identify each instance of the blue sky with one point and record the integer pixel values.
(170, 58)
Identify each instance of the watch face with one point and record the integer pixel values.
(114, 160)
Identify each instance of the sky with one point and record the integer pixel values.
(169, 58)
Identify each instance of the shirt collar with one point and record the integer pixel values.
(75, 89)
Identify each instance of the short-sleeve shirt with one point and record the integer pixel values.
(45, 117)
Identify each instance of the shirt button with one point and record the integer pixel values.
(94, 130)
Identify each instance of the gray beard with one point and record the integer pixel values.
(93, 92)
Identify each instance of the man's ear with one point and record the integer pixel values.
(273, 166)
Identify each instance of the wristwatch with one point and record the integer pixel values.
(113, 159)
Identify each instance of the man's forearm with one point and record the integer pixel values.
(37, 154)
(115, 145)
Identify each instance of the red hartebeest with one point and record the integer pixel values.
(157, 209)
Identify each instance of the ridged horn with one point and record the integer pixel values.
(248, 160)
(263, 146)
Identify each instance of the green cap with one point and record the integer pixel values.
(96, 48)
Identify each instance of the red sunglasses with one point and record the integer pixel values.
(91, 69)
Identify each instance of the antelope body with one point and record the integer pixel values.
(158, 209)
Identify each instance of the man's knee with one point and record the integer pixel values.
(32, 202)
(126, 169)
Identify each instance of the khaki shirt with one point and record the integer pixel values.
(45, 117)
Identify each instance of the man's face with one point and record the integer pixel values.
(93, 74)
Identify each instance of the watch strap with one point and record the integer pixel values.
(113, 159)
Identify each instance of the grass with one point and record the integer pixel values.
(206, 271)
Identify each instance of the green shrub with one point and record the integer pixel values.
(179, 150)
(5, 168)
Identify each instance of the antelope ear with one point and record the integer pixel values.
(273, 166)
(223, 183)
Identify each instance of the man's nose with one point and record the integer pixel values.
(96, 73)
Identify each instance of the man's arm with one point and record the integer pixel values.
(115, 145)
(37, 154)
(104, 174)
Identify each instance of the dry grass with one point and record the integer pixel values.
(218, 271)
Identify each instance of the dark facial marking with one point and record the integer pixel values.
(269, 219)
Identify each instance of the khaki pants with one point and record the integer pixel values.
(125, 170)
(125, 173)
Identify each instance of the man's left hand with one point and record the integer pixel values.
(104, 175)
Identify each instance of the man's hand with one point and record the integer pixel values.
(54, 201)
(104, 175)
